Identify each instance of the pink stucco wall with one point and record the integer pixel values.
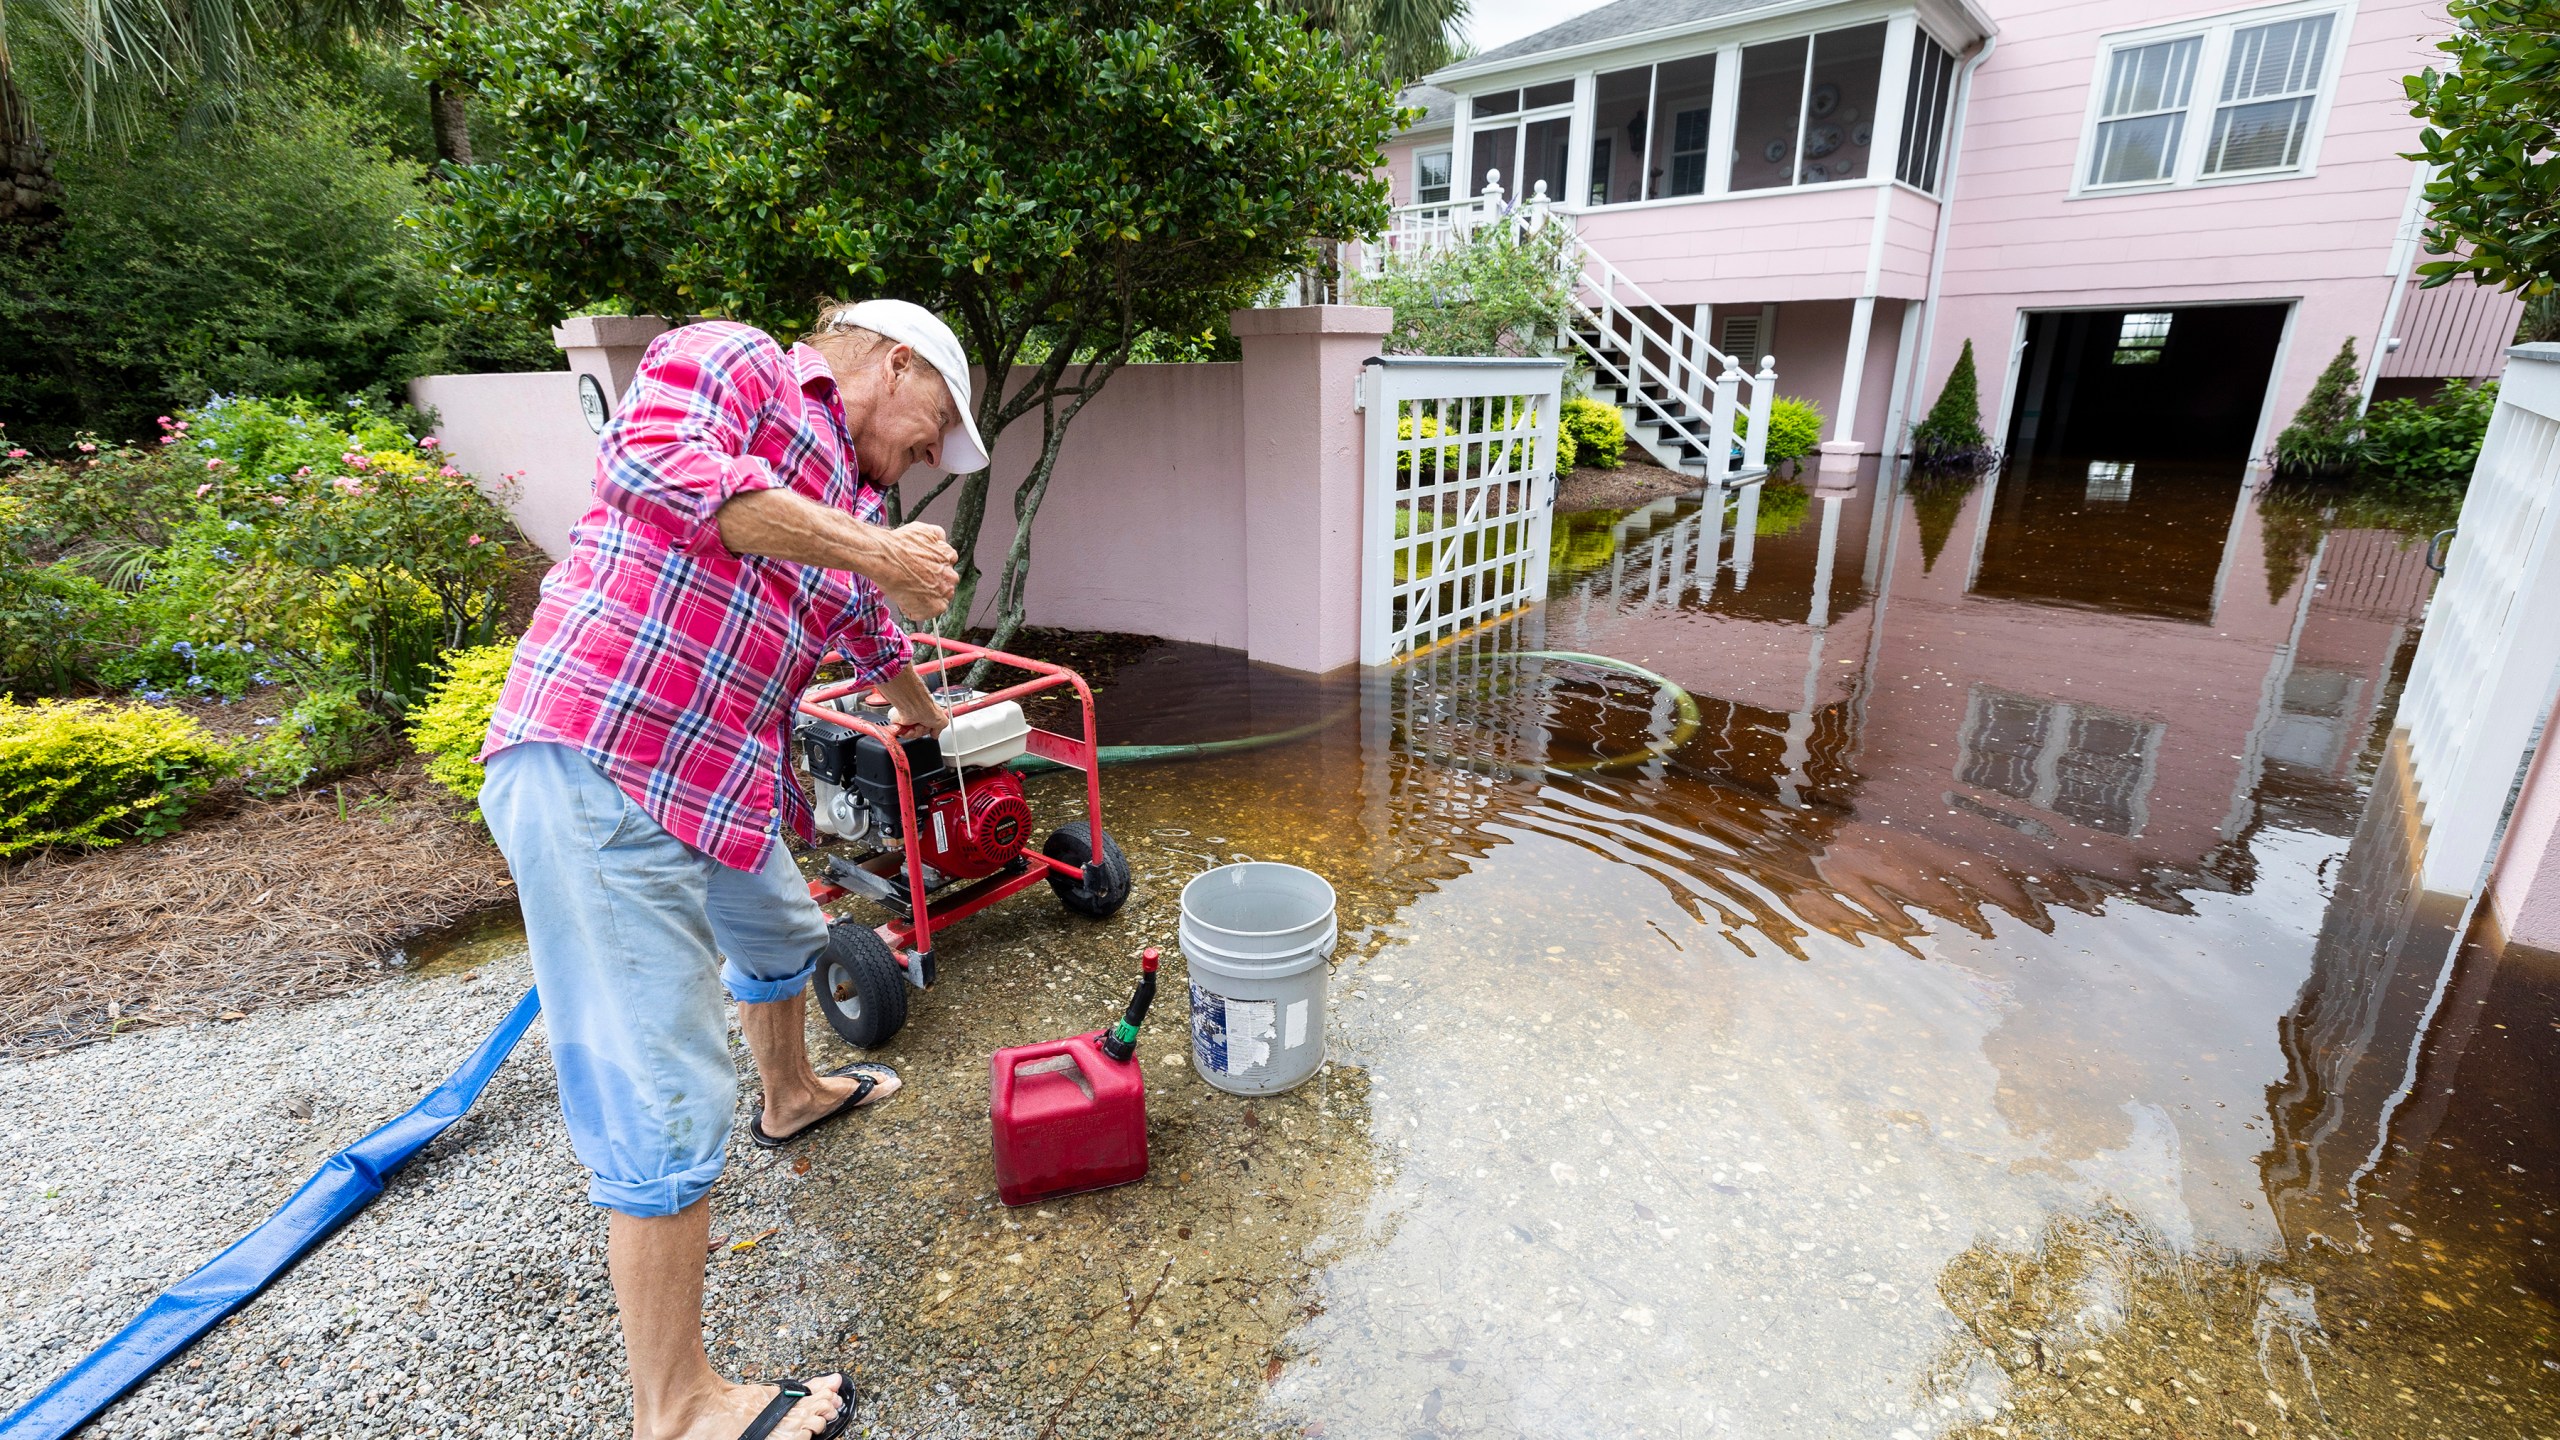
(1143, 524)
(527, 426)
(1214, 503)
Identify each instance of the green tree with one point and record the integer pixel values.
(2492, 134)
(1404, 39)
(1060, 178)
(1951, 437)
(2322, 438)
(267, 255)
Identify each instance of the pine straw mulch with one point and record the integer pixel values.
(1635, 482)
(255, 901)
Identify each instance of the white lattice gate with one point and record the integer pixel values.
(2484, 672)
(1459, 481)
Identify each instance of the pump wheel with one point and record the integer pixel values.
(860, 986)
(1073, 844)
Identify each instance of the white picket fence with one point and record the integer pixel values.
(2484, 673)
(1458, 478)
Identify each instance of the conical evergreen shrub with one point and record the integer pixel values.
(1951, 437)
(2323, 439)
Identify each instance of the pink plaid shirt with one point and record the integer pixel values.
(669, 662)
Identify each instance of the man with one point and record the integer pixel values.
(639, 778)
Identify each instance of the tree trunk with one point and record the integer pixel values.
(450, 118)
(29, 192)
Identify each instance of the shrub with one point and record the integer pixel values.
(452, 723)
(329, 731)
(2412, 451)
(82, 773)
(1599, 433)
(2321, 441)
(265, 253)
(1795, 428)
(1951, 437)
(1489, 293)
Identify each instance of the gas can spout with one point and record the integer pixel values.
(1122, 1042)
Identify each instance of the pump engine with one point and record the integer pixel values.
(967, 812)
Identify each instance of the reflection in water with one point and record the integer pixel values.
(2016, 967)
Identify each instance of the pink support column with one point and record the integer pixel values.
(608, 347)
(2524, 886)
(1302, 449)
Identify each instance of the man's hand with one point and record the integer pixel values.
(912, 709)
(918, 570)
(912, 564)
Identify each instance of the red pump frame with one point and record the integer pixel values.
(911, 940)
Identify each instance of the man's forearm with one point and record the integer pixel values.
(913, 564)
(791, 526)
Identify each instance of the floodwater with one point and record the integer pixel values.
(2003, 1011)
(2006, 1013)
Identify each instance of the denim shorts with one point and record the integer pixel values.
(629, 928)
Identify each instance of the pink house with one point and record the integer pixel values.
(2155, 224)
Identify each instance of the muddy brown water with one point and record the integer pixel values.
(2007, 1013)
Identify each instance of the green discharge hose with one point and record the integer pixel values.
(1684, 727)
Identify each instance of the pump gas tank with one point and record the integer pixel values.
(1067, 1118)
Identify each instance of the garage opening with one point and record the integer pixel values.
(2183, 384)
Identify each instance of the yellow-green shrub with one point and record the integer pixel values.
(450, 724)
(84, 773)
(1598, 434)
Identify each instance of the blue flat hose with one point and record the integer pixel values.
(343, 1185)
(349, 1180)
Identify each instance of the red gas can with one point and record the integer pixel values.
(1068, 1118)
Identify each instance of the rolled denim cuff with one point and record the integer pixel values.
(749, 989)
(649, 1199)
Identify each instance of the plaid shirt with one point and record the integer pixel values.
(669, 662)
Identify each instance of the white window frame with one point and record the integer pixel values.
(2186, 169)
(1423, 152)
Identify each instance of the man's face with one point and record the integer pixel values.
(910, 411)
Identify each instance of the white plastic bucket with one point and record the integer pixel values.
(1255, 938)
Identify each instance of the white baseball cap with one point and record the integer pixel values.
(915, 326)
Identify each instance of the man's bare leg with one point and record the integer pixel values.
(795, 1093)
(657, 1267)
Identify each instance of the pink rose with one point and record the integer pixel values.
(203, 488)
(302, 473)
(450, 473)
(87, 449)
(164, 422)
(168, 439)
(475, 540)
(427, 444)
(275, 499)
(17, 454)
(213, 464)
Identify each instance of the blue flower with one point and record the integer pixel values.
(225, 556)
(239, 524)
(183, 647)
(264, 720)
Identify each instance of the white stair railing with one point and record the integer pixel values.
(1694, 396)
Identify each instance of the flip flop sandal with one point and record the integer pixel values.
(867, 1076)
(795, 1391)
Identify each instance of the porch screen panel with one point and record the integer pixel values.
(1840, 104)
(2268, 85)
(2143, 111)
(1684, 96)
(1768, 114)
(1542, 158)
(1926, 104)
(1497, 150)
(1618, 116)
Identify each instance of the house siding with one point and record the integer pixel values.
(2325, 242)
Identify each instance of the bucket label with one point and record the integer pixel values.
(1231, 1037)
